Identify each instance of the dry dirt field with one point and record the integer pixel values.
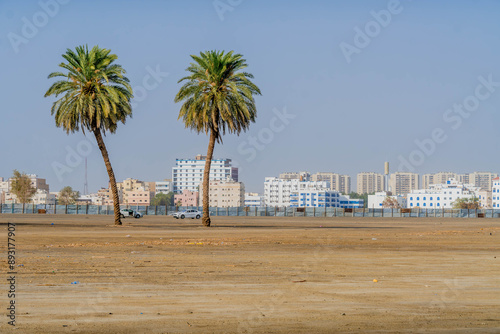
(253, 275)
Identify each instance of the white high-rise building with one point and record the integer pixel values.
(277, 191)
(188, 173)
(495, 190)
(440, 196)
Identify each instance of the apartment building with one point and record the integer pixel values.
(301, 176)
(164, 187)
(440, 196)
(277, 191)
(188, 173)
(496, 193)
(187, 198)
(369, 182)
(340, 183)
(483, 180)
(254, 199)
(225, 194)
(402, 183)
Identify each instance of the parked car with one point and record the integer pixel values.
(130, 213)
(188, 214)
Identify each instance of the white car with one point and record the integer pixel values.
(130, 213)
(188, 214)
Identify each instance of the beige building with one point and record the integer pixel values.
(402, 183)
(441, 178)
(483, 180)
(485, 199)
(369, 182)
(225, 194)
(301, 176)
(340, 183)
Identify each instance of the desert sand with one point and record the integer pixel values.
(253, 275)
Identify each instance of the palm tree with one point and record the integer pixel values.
(217, 97)
(96, 96)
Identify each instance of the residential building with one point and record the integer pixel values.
(440, 178)
(440, 196)
(91, 199)
(347, 202)
(138, 197)
(315, 198)
(402, 183)
(483, 180)
(164, 187)
(277, 191)
(496, 193)
(225, 194)
(43, 197)
(301, 176)
(187, 198)
(188, 173)
(375, 201)
(369, 182)
(340, 183)
(485, 199)
(254, 200)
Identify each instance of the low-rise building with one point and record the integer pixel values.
(376, 201)
(187, 198)
(164, 187)
(225, 194)
(496, 193)
(254, 200)
(440, 196)
(277, 191)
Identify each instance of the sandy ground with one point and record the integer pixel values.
(253, 275)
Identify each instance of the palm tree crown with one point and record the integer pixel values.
(96, 92)
(218, 97)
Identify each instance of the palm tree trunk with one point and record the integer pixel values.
(206, 180)
(111, 174)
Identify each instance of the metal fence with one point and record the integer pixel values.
(252, 211)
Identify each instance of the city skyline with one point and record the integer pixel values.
(416, 108)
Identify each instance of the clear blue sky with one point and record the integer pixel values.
(349, 116)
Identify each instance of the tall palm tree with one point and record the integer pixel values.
(217, 97)
(95, 97)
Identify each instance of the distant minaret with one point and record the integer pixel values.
(86, 185)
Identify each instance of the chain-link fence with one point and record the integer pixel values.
(252, 211)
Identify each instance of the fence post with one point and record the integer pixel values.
(66, 211)
(275, 210)
(98, 209)
(227, 211)
(87, 209)
(156, 209)
(166, 210)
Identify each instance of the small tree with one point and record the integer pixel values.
(67, 196)
(390, 203)
(467, 203)
(22, 188)
(163, 199)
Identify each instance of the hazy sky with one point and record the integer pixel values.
(346, 85)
